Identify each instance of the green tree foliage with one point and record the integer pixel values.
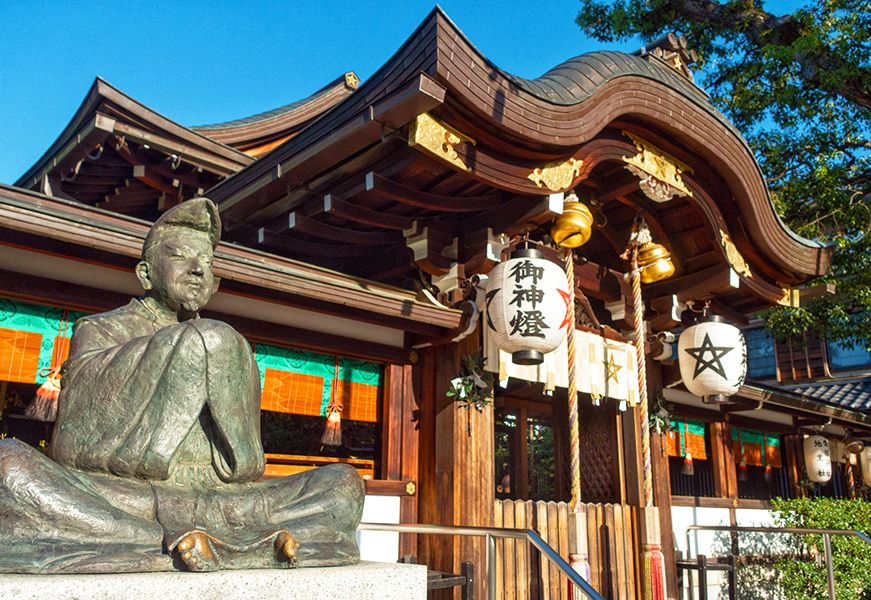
(799, 87)
(802, 577)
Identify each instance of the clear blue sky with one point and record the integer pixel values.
(200, 62)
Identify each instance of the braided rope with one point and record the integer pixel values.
(638, 321)
(574, 435)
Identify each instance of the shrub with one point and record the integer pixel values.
(804, 577)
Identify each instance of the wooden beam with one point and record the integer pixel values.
(696, 286)
(597, 281)
(297, 222)
(334, 205)
(298, 247)
(385, 189)
(519, 215)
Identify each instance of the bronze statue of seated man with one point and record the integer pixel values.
(156, 450)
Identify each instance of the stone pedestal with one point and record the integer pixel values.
(364, 581)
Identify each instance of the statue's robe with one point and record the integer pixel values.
(157, 436)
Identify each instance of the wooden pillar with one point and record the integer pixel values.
(662, 499)
(456, 465)
(723, 461)
(399, 461)
(794, 460)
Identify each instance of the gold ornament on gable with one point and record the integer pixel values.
(556, 176)
(736, 260)
(659, 172)
(438, 139)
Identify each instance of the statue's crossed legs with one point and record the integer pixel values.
(57, 519)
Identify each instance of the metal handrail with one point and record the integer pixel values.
(491, 533)
(826, 533)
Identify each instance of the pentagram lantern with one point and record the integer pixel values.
(527, 306)
(817, 459)
(713, 359)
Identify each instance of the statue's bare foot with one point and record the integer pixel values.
(286, 547)
(196, 551)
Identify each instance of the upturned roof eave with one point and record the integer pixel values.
(102, 90)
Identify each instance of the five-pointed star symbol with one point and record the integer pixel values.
(613, 368)
(717, 352)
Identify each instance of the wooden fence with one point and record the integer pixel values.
(611, 542)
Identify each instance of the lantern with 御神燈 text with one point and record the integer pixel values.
(817, 459)
(527, 306)
(713, 359)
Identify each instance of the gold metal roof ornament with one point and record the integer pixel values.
(437, 139)
(556, 176)
(659, 172)
(736, 260)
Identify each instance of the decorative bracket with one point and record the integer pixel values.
(437, 139)
(434, 251)
(557, 176)
(659, 172)
(736, 260)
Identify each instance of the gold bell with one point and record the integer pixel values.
(574, 227)
(655, 262)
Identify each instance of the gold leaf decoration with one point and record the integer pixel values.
(736, 260)
(437, 139)
(557, 176)
(659, 172)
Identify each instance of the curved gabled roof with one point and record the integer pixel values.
(259, 133)
(107, 100)
(520, 124)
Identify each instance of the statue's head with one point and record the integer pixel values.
(176, 266)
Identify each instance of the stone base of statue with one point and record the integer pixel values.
(363, 581)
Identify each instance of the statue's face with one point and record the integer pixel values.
(179, 270)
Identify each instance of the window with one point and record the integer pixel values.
(689, 438)
(762, 473)
(298, 389)
(842, 357)
(761, 361)
(526, 452)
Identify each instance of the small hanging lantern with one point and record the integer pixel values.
(817, 459)
(574, 226)
(865, 462)
(655, 262)
(527, 305)
(713, 359)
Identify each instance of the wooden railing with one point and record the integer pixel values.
(608, 539)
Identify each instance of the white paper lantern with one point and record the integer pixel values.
(713, 359)
(817, 459)
(865, 462)
(527, 306)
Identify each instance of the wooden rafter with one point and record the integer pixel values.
(298, 247)
(385, 189)
(299, 223)
(334, 205)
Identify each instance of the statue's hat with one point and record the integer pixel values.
(200, 214)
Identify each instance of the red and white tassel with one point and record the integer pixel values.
(44, 405)
(653, 572)
(742, 471)
(688, 468)
(333, 430)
